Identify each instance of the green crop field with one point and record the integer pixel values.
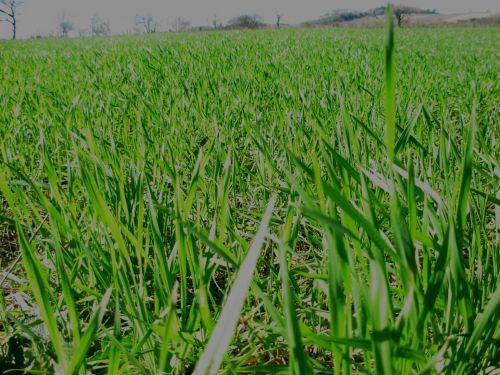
(276, 201)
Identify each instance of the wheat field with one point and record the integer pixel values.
(275, 201)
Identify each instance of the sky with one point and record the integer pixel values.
(41, 17)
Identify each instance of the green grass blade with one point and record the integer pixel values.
(390, 86)
(381, 315)
(298, 361)
(41, 292)
(78, 358)
(485, 322)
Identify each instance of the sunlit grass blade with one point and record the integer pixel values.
(485, 325)
(220, 338)
(381, 315)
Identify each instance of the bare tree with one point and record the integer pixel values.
(214, 22)
(278, 16)
(401, 15)
(65, 26)
(98, 26)
(148, 22)
(8, 10)
(182, 25)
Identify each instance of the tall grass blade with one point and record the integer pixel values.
(390, 85)
(298, 361)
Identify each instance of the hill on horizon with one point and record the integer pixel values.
(346, 15)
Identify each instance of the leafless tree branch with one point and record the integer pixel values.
(11, 13)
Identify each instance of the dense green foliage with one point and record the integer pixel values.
(135, 173)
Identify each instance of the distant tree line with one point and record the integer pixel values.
(143, 22)
(148, 24)
(380, 11)
(401, 14)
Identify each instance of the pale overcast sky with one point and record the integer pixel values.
(42, 16)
